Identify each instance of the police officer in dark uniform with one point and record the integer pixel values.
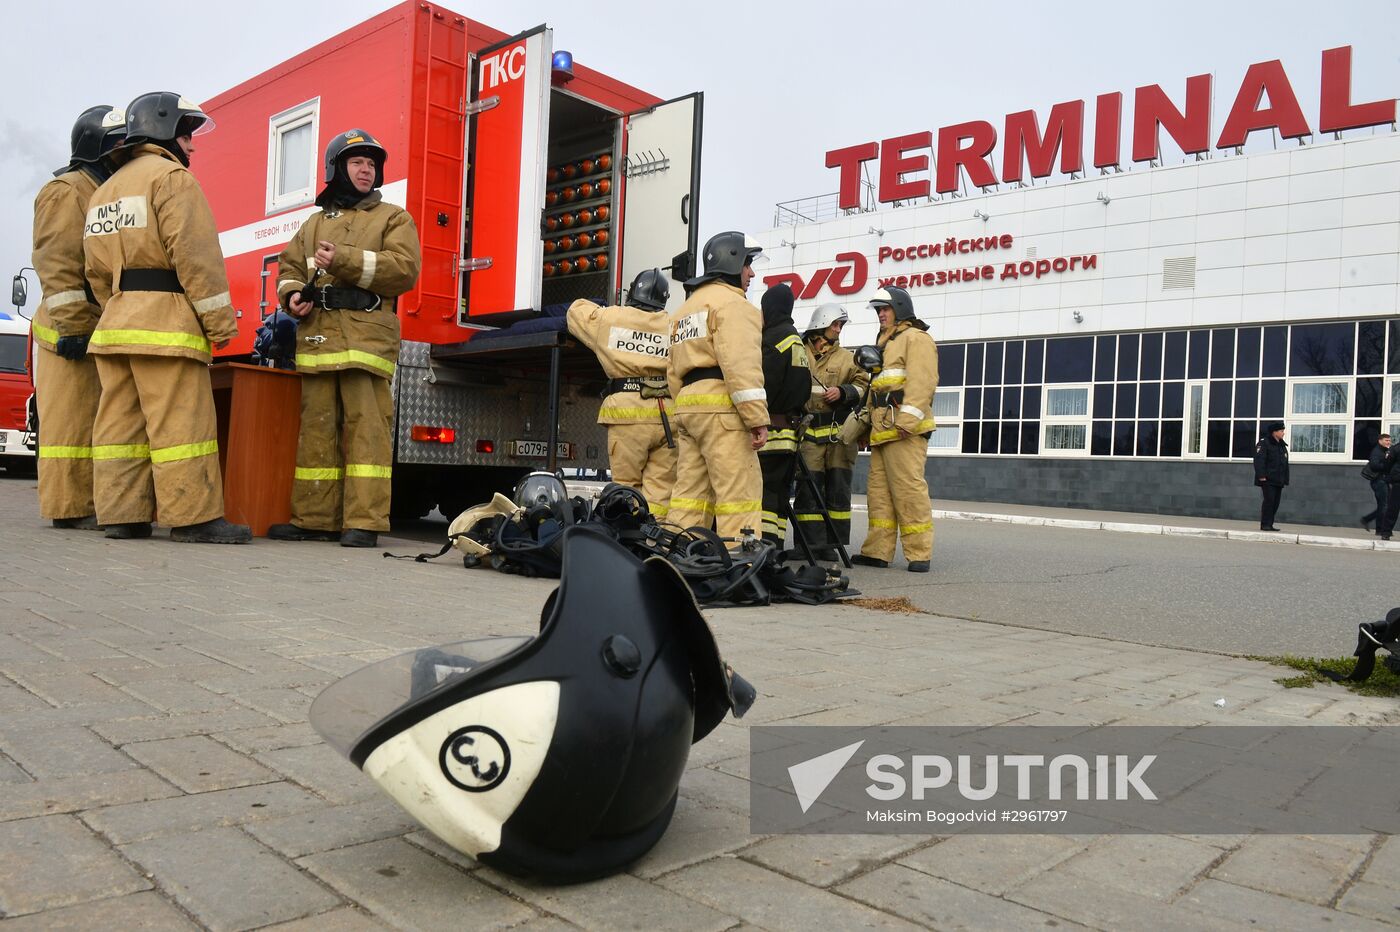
(1271, 472)
(788, 381)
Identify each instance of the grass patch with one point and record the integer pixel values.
(1382, 681)
(899, 605)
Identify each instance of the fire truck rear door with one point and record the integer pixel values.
(661, 190)
(507, 142)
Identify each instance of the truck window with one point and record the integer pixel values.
(12, 352)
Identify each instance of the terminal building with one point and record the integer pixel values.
(1117, 338)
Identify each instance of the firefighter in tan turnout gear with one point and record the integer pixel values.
(632, 344)
(340, 275)
(716, 376)
(837, 386)
(154, 265)
(66, 386)
(901, 419)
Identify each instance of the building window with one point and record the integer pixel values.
(947, 415)
(1065, 423)
(1392, 410)
(1319, 416)
(292, 157)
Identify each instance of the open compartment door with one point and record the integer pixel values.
(661, 192)
(509, 122)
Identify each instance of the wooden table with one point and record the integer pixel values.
(259, 412)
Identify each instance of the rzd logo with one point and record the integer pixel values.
(843, 279)
(502, 67)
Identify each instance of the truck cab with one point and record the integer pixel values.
(18, 427)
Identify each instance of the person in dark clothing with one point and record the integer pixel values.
(1379, 487)
(1271, 472)
(788, 381)
(1385, 525)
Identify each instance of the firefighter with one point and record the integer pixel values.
(716, 376)
(340, 275)
(632, 344)
(155, 267)
(837, 385)
(901, 420)
(788, 381)
(66, 386)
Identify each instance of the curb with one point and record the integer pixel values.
(1305, 540)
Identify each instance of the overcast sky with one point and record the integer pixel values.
(783, 82)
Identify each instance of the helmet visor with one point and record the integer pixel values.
(350, 707)
(193, 120)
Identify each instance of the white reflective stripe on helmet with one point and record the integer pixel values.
(413, 765)
(113, 119)
(882, 297)
(748, 394)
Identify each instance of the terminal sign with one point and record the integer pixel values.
(1265, 101)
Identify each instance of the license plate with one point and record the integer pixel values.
(539, 449)
(4, 438)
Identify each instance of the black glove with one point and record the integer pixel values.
(74, 348)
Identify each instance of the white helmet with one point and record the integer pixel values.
(825, 316)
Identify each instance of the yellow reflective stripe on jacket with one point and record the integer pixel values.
(882, 522)
(65, 453)
(366, 471)
(692, 504)
(786, 342)
(318, 474)
(818, 432)
(316, 360)
(184, 451)
(121, 451)
(686, 401)
(44, 333)
(880, 436)
(734, 508)
(804, 516)
(150, 338)
(888, 380)
(907, 529)
(659, 511)
(652, 413)
(840, 515)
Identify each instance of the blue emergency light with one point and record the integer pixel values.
(563, 65)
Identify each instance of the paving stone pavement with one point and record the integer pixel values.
(157, 770)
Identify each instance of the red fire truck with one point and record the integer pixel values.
(533, 180)
(17, 439)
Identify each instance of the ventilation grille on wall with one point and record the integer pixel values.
(1030, 252)
(1179, 273)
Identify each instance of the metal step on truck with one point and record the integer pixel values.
(533, 179)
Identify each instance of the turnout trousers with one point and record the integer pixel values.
(155, 452)
(830, 465)
(717, 476)
(898, 500)
(638, 457)
(345, 452)
(67, 393)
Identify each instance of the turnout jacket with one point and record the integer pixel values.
(60, 213)
(717, 326)
(630, 342)
(834, 368)
(910, 373)
(786, 375)
(376, 249)
(152, 214)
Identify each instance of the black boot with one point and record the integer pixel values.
(918, 566)
(134, 530)
(213, 531)
(85, 523)
(861, 559)
(354, 537)
(296, 532)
